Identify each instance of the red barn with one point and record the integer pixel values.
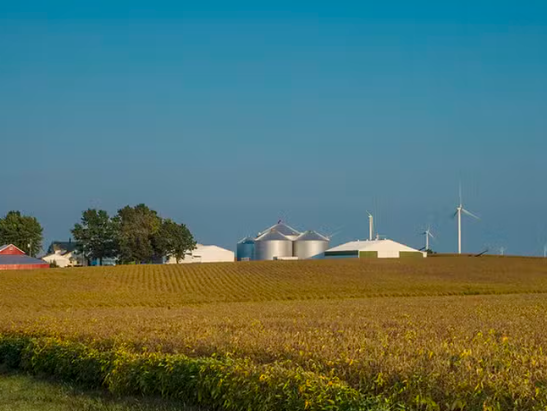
(13, 258)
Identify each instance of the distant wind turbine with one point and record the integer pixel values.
(428, 234)
(459, 211)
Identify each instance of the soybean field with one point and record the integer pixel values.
(432, 334)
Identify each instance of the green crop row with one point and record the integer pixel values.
(227, 384)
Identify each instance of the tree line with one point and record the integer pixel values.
(24, 232)
(135, 235)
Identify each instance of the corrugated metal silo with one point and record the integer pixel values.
(271, 245)
(310, 244)
(246, 249)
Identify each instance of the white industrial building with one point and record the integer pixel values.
(205, 254)
(374, 249)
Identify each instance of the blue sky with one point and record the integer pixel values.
(230, 115)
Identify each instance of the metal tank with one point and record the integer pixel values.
(310, 244)
(272, 245)
(284, 229)
(246, 249)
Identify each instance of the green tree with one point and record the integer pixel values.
(96, 235)
(137, 230)
(174, 240)
(24, 232)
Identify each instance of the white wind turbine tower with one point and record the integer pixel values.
(428, 235)
(370, 226)
(459, 211)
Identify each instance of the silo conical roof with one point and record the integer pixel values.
(283, 229)
(311, 236)
(246, 240)
(272, 235)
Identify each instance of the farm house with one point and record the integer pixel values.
(13, 258)
(64, 254)
(66, 259)
(374, 249)
(205, 254)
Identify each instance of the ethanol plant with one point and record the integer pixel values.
(282, 242)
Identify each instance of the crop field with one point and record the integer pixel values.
(432, 334)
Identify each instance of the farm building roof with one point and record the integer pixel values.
(20, 260)
(200, 247)
(373, 245)
(64, 246)
(10, 249)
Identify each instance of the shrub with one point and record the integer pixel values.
(227, 383)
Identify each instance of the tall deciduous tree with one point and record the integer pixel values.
(137, 229)
(174, 240)
(25, 232)
(96, 235)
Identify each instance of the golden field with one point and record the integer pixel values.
(432, 334)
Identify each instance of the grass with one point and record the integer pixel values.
(432, 334)
(20, 392)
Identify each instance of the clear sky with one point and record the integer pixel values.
(230, 115)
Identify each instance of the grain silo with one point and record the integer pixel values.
(310, 244)
(273, 245)
(246, 249)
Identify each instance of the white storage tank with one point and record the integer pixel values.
(310, 244)
(272, 245)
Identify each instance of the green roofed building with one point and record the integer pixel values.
(374, 249)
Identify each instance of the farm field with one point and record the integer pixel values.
(433, 334)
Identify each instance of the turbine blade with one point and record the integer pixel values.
(334, 234)
(470, 214)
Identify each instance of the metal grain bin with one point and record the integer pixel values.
(272, 245)
(310, 244)
(246, 249)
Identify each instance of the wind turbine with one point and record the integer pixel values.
(459, 211)
(428, 234)
(370, 226)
